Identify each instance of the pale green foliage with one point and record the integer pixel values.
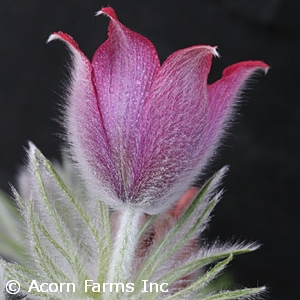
(11, 246)
(71, 237)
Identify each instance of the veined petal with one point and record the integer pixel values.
(123, 71)
(223, 95)
(84, 122)
(174, 118)
(141, 133)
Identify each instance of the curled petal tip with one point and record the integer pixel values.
(58, 36)
(198, 52)
(51, 38)
(98, 13)
(259, 65)
(108, 11)
(250, 65)
(266, 69)
(206, 48)
(215, 52)
(63, 37)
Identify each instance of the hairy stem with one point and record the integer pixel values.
(124, 245)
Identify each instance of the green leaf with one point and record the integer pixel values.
(237, 294)
(203, 280)
(11, 237)
(159, 254)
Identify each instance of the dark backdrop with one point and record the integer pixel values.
(262, 189)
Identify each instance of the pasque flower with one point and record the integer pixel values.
(140, 131)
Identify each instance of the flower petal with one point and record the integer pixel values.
(223, 95)
(173, 121)
(123, 71)
(86, 133)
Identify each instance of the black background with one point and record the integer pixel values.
(262, 188)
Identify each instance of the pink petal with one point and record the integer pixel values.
(223, 95)
(123, 71)
(84, 123)
(141, 133)
(174, 118)
(184, 202)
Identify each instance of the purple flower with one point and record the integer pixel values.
(140, 131)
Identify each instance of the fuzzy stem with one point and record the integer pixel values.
(124, 245)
